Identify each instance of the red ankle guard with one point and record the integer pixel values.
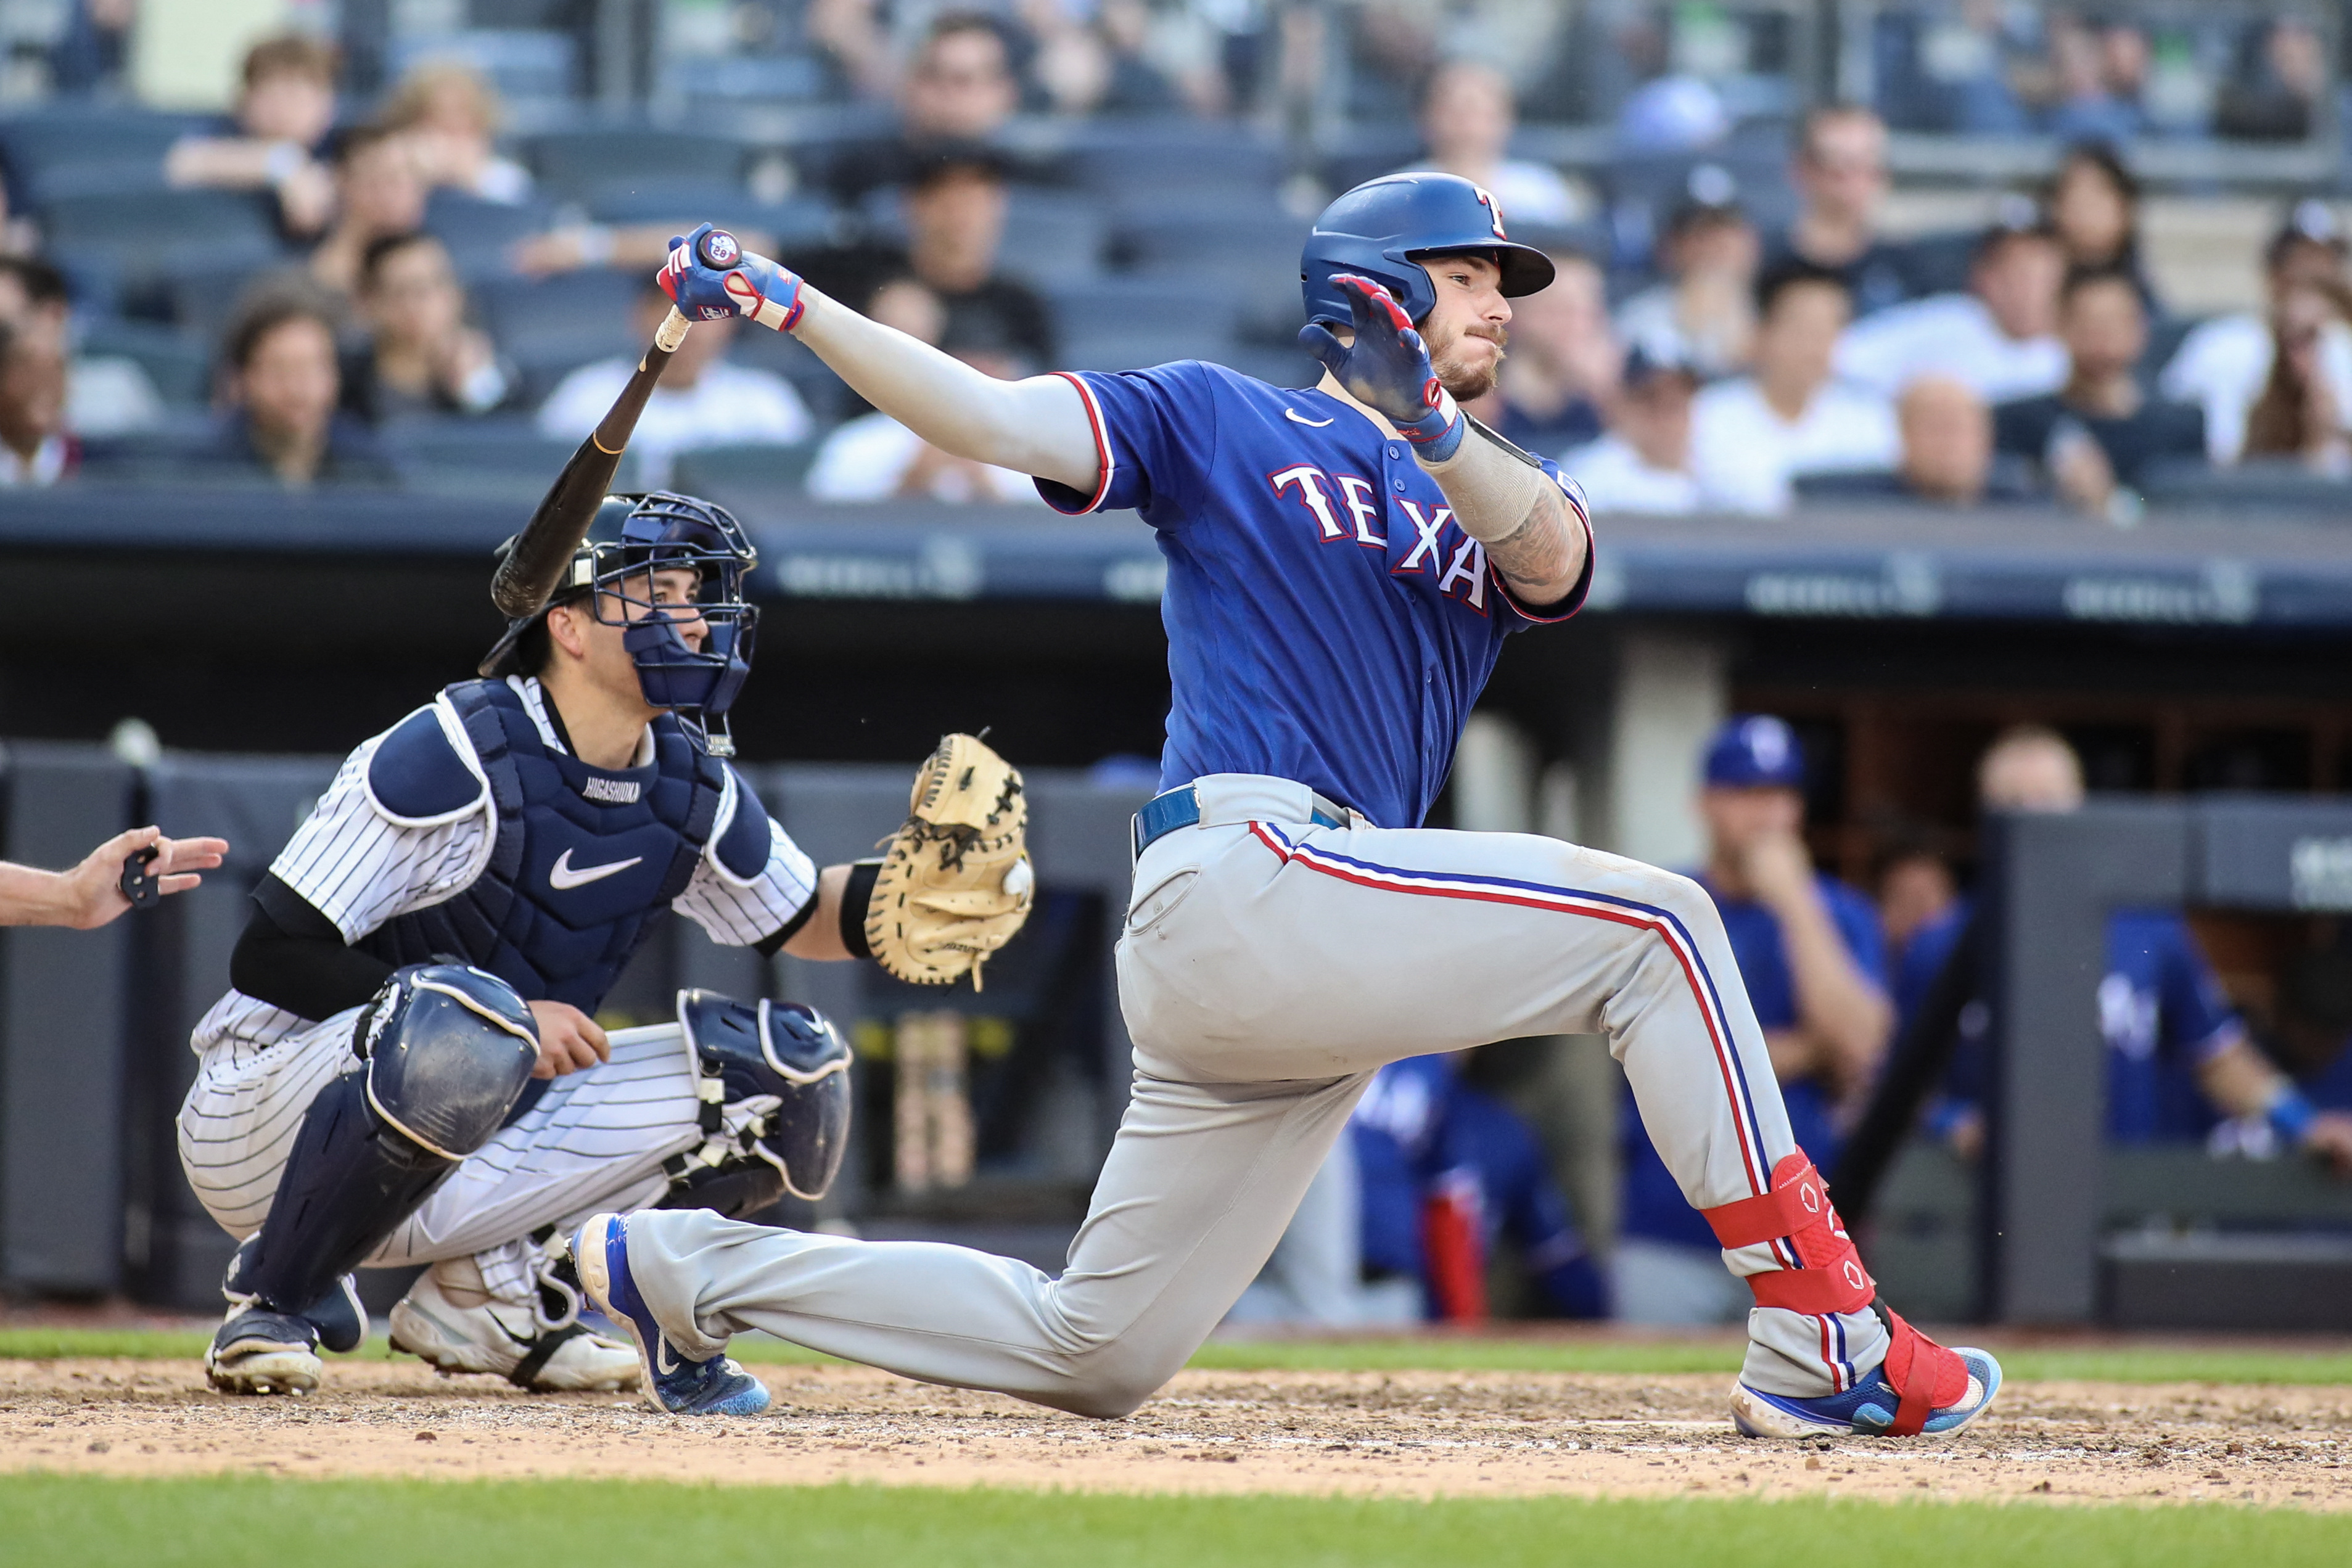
(1925, 1376)
(1830, 1278)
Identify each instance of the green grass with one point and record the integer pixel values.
(2136, 1363)
(92, 1522)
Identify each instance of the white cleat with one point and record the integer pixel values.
(480, 1333)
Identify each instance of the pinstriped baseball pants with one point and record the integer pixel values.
(1266, 969)
(595, 1140)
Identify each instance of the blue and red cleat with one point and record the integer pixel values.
(1872, 1408)
(681, 1386)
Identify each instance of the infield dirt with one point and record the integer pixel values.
(1400, 1433)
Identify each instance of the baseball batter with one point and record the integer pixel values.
(438, 934)
(1343, 565)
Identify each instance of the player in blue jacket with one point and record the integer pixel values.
(1344, 562)
(1425, 1139)
(1812, 958)
(2180, 1064)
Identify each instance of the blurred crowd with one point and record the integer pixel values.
(2032, 362)
(1451, 1186)
(312, 289)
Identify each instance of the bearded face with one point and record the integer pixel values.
(1467, 356)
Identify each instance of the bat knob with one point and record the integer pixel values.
(719, 250)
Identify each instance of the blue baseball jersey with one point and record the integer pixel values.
(1418, 1126)
(1655, 1206)
(2161, 1012)
(1329, 622)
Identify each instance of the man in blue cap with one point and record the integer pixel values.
(1812, 960)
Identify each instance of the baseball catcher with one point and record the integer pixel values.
(407, 1068)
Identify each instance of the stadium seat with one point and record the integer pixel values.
(2256, 489)
(788, 225)
(479, 234)
(179, 363)
(147, 226)
(1138, 306)
(502, 457)
(202, 292)
(581, 163)
(57, 151)
(1122, 158)
(1053, 236)
(1136, 351)
(828, 398)
(526, 64)
(723, 472)
(1249, 249)
(552, 325)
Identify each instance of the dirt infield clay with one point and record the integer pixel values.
(1408, 1434)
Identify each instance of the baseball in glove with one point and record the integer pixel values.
(955, 882)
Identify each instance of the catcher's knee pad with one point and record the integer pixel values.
(448, 1050)
(779, 1052)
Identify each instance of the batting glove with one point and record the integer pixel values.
(1387, 369)
(711, 280)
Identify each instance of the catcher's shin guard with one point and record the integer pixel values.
(781, 1052)
(449, 1050)
(1830, 1279)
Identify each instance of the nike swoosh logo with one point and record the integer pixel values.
(664, 1361)
(560, 875)
(1297, 418)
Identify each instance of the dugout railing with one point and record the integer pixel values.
(2054, 1225)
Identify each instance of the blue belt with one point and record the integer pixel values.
(1180, 808)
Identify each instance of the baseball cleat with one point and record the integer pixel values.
(257, 1351)
(505, 1341)
(600, 1249)
(1868, 1409)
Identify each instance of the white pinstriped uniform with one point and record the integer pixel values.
(594, 1141)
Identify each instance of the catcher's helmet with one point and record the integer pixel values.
(1377, 229)
(631, 537)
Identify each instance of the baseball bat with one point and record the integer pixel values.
(535, 563)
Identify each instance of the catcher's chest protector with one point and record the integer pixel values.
(586, 859)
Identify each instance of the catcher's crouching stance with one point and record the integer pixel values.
(438, 937)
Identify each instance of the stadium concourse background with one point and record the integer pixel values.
(259, 583)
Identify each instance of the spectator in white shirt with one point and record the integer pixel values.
(700, 401)
(1704, 315)
(1790, 418)
(1642, 463)
(2225, 365)
(2000, 339)
(1466, 117)
(876, 458)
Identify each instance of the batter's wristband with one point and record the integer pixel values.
(2291, 1114)
(853, 900)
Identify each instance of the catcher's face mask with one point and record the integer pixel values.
(669, 542)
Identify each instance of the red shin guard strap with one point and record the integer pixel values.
(1830, 1278)
(1925, 1375)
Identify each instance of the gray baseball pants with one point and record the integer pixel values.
(1266, 969)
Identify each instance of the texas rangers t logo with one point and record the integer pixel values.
(1494, 211)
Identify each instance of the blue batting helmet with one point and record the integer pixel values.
(1380, 228)
(631, 537)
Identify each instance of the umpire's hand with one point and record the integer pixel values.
(90, 894)
(569, 1040)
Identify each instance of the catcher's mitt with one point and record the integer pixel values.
(955, 882)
